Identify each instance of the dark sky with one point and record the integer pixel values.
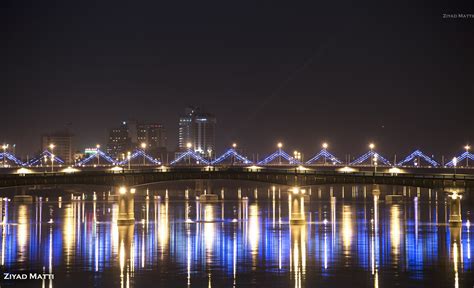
(347, 72)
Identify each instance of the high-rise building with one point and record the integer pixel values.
(62, 142)
(132, 134)
(119, 140)
(154, 135)
(197, 128)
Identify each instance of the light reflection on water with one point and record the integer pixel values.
(232, 243)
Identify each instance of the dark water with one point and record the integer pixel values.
(237, 244)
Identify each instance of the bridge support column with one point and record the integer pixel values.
(296, 200)
(126, 214)
(455, 209)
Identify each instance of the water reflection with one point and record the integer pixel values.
(235, 243)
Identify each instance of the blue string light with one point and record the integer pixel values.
(279, 153)
(460, 158)
(11, 157)
(369, 155)
(325, 155)
(37, 160)
(139, 153)
(418, 153)
(229, 153)
(93, 156)
(190, 154)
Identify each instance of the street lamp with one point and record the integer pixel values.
(325, 146)
(143, 145)
(375, 162)
(5, 147)
(279, 145)
(51, 147)
(455, 163)
(371, 147)
(189, 145)
(97, 153)
(128, 159)
(234, 146)
(467, 147)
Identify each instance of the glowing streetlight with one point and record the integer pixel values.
(97, 153)
(5, 147)
(325, 147)
(455, 163)
(143, 145)
(234, 145)
(189, 145)
(128, 159)
(467, 147)
(51, 147)
(279, 145)
(371, 146)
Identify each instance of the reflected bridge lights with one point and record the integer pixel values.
(296, 199)
(126, 206)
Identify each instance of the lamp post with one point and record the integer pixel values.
(5, 147)
(51, 147)
(143, 145)
(279, 145)
(455, 163)
(234, 146)
(189, 145)
(371, 147)
(325, 146)
(97, 153)
(128, 159)
(375, 163)
(467, 147)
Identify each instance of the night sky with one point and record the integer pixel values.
(346, 72)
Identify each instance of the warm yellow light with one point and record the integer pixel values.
(51, 146)
(234, 145)
(97, 146)
(371, 146)
(143, 145)
(132, 190)
(5, 146)
(123, 190)
(295, 153)
(325, 145)
(189, 145)
(295, 190)
(467, 147)
(280, 145)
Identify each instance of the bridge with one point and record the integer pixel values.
(288, 175)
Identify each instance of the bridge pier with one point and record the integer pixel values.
(296, 200)
(126, 214)
(455, 218)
